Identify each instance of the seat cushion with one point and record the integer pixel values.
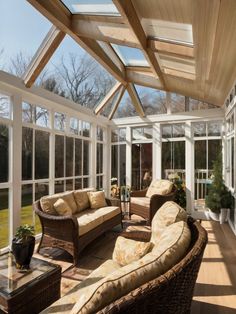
(81, 199)
(47, 202)
(168, 213)
(125, 279)
(108, 212)
(62, 208)
(142, 201)
(126, 250)
(161, 187)
(88, 220)
(97, 199)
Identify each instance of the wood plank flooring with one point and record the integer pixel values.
(215, 290)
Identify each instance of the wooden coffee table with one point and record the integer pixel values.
(31, 291)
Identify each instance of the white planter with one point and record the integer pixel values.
(223, 215)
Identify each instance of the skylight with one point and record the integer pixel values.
(96, 7)
(130, 56)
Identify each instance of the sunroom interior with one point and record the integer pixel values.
(92, 91)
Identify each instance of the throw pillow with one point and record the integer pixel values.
(127, 251)
(62, 208)
(97, 199)
(161, 187)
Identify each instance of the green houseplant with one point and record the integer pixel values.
(23, 246)
(219, 198)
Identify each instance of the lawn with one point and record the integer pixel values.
(26, 218)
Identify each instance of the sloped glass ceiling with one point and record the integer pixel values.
(130, 56)
(22, 29)
(74, 74)
(125, 108)
(96, 7)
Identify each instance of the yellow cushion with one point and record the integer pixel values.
(108, 212)
(161, 187)
(131, 276)
(62, 208)
(81, 199)
(88, 220)
(167, 214)
(97, 199)
(143, 201)
(126, 250)
(47, 202)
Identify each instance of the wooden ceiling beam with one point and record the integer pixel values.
(116, 104)
(56, 12)
(135, 99)
(108, 19)
(108, 97)
(143, 78)
(42, 55)
(128, 11)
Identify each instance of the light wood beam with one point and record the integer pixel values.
(98, 18)
(135, 99)
(42, 55)
(143, 78)
(171, 48)
(54, 11)
(121, 93)
(128, 11)
(108, 97)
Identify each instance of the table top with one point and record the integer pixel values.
(12, 280)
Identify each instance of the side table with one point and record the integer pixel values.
(31, 291)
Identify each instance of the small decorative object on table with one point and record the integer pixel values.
(23, 246)
(115, 191)
(125, 199)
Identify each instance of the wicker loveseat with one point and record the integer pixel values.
(73, 232)
(146, 202)
(170, 289)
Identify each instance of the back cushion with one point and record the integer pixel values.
(167, 214)
(47, 202)
(62, 208)
(97, 199)
(175, 242)
(82, 200)
(161, 187)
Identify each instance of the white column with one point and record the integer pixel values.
(107, 161)
(189, 166)
(15, 165)
(156, 156)
(128, 156)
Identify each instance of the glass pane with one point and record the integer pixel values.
(69, 156)
(99, 134)
(78, 183)
(27, 153)
(74, 126)
(99, 158)
(96, 7)
(122, 163)
(42, 117)
(41, 154)
(59, 186)
(59, 121)
(41, 189)
(166, 159)
(177, 103)
(232, 162)
(69, 185)
(86, 158)
(153, 100)
(122, 134)
(214, 128)
(26, 204)
(99, 183)
(115, 135)
(86, 183)
(125, 108)
(130, 56)
(179, 157)
(141, 133)
(59, 156)
(195, 104)
(5, 106)
(178, 130)
(199, 129)
(200, 156)
(214, 149)
(4, 153)
(166, 131)
(86, 129)
(78, 157)
(28, 112)
(4, 218)
(114, 161)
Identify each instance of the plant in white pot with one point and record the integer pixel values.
(219, 199)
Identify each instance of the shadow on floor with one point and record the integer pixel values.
(212, 290)
(204, 308)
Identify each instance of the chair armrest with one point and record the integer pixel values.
(113, 202)
(143, 236)
(140, 193)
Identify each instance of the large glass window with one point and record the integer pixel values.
(59, 156)
(130, 56)
(4, 153)
(173, 158)
(5, 106)
(4, 217)
(41, 154)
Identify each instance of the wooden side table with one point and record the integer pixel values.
(31, 291)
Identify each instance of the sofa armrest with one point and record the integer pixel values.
(143, 236)
(140, 193)
(157, 200)
(113, 202)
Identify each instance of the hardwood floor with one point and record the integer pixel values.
(215, 290)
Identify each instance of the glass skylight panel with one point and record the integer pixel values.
(130, 56)
(96, 7)
(125, 108)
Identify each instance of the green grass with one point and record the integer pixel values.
(26, 218)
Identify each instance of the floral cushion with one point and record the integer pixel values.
(161, 187)
(62, 208)
(47, 202)
(97, 199)
(168, 213)
(126, 250)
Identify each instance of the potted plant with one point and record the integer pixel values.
(219, 199)
(23, 246)
(180, 195)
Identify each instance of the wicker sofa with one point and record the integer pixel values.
(73, 232)
(146, 202)
(133, 288)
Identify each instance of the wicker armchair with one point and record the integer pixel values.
(171, 292)
(148, 208)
